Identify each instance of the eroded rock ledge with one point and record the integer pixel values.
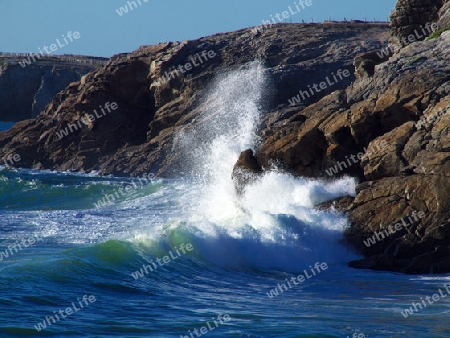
(139, 137)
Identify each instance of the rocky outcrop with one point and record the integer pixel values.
(410, 176)
(26, 90)
(388, 125)
(246, 170)
(155, 102)
(444, 16)
(390, 129)
(411, 16)
(365, 63)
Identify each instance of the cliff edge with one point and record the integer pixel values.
(28, 84)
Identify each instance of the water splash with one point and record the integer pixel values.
(227, 123)
(273, 224)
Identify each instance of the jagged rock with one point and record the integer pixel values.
(365, 63)
(400, 115)
(27, 90)
(140, 136)
(409, 16)
(444, 16)
(245, 170)
(412, 173)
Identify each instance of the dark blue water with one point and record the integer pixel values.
(6, 125)
(88, 256)
(82, 250)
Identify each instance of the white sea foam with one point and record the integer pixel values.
(273, 223)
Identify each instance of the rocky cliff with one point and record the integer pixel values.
(381, 115)
(403, 201)
(26, 90)
(389, 128)
(140, 136)
(410, 16)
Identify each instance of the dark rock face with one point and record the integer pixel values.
(396, 121)
(27, 90)
(365, 64)
(410, 16)
(247, 161)
(444, 16)
(245, 170)
(411, 174)
(139, 136)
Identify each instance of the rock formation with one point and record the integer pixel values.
(156, 103)
(444, 16)
(410, 17)
(387, 125)
(396, 120)
(245, 170)
(27, 90)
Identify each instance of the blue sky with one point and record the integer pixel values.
(26, 25)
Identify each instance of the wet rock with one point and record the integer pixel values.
(246, 170)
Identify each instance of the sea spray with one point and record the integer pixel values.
(273, 223)
(227, 124)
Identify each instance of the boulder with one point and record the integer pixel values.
(246, 170)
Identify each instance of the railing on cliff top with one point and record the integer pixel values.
(91, 60)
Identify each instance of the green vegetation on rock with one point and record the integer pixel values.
(438, 33)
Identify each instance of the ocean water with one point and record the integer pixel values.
(89, 256)
(6, 125)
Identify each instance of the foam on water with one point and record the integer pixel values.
(273, 223)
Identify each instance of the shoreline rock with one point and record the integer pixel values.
(387, 125)
(246, 170)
